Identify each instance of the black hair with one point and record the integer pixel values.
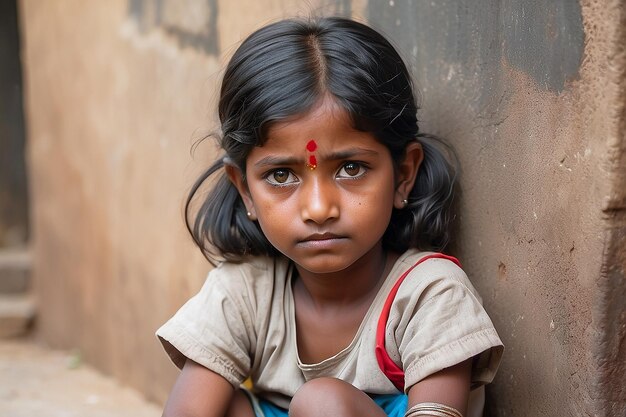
(281, 71)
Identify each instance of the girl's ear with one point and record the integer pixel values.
(407, 173)
(236, 177)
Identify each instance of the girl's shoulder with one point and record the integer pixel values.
(254, 273)
(425, 260)
(249, 266)
(422, 271)
(437, 320)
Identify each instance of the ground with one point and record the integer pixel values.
(38, 382)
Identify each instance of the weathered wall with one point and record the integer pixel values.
(531, 94)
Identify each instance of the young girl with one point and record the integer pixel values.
(326, 201)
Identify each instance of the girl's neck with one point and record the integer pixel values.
(359, 281)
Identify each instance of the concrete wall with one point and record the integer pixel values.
(531, 94)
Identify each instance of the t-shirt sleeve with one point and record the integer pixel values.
(213, 328)
(438, 321)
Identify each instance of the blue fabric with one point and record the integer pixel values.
(394, 405)
(270, 410)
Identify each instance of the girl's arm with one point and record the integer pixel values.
(449, 386)
(198, 392)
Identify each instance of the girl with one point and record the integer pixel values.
(326, 199)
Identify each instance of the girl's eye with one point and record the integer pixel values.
(352, 170)
(280, 177)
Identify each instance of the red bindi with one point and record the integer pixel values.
(311, 146)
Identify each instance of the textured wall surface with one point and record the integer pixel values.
(531, 95)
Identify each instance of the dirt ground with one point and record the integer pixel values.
(37, 382)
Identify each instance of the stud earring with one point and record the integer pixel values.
(405, 203)
(251, 216)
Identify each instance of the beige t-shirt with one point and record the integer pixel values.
(242, 324)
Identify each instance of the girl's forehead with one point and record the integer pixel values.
(315, 138)
(324, 131)
(324, 118)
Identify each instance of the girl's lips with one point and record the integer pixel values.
(317, 237)
(321, 241)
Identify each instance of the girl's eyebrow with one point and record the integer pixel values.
(350, 153)
(274, 160)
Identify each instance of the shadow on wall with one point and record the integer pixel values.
(174, 18)
(13, 185)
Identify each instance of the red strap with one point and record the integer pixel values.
(389, 367)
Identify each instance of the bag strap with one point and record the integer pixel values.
(388, 366)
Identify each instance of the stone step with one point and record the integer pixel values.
(15, 271)
(17, 313)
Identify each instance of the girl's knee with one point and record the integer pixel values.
(331, 397)
(321, 396)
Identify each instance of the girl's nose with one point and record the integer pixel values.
(319, 201)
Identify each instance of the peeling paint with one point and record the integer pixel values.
(544, 39)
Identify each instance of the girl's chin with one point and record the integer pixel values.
(340, 256)
(322, 265)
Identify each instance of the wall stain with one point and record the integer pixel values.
(343, 8)
(155, 14)
(544, 39)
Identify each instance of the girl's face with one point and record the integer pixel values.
(322, 191)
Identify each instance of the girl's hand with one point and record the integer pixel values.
(199, 392)
(449, 386)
